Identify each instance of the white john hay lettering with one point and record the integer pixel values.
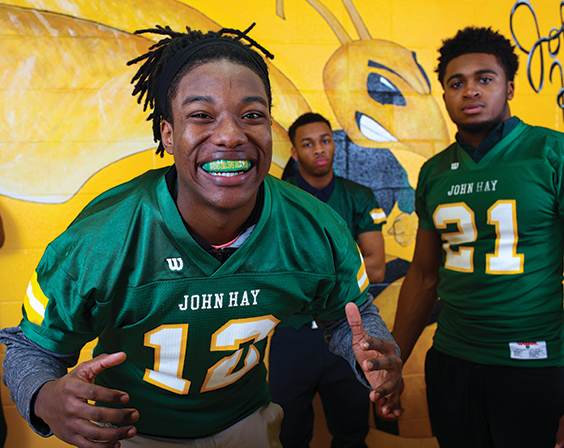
(214, 301)
(472, 187)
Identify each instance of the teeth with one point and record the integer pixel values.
(221, 167)
(227, 174)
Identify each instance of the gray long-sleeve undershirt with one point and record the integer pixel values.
(28, 366)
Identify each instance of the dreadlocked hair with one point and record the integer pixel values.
(479, 40)
(147, 79)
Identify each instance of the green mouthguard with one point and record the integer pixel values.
(227, 165)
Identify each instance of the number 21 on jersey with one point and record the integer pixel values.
(503, 215)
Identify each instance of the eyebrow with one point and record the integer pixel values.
(255, 99)
(311, 138)
(197, 99)
(477, 72)
(207, 99)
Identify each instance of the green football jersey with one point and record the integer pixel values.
(501, 226)
(358, 207)
(356, 204)
(194, 330)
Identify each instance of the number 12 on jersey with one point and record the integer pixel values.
(502, 215)
(169, 342)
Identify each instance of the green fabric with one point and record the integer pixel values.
(496, 292)
(356, 204)
(502, 130)
(108, 276)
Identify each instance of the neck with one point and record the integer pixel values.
(473, 139)
(215, 226)
(318, 182)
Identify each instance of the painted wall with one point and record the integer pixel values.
(70, 128)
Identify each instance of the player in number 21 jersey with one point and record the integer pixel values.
(490, 245)
(499, 218)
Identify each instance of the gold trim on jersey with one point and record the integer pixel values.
(35, 301)
(378, 215)
(361, 275)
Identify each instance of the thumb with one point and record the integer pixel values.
(90, 369)
(355, 321)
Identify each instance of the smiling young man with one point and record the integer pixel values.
(301, 364)
(490, 245)
(183, 272)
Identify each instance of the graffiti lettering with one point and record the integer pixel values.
(550, 43)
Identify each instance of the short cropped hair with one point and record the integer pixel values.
(307, 118)
(479, 40)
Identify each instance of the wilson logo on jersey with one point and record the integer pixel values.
(361, 276)
(378, 215)
(35, 302)
(454, 166)
(175, 264)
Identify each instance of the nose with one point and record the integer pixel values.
(228, 132)
(471, 90)
(318, 148)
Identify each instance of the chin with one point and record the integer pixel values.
(479, 127)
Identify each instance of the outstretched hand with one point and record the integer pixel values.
(381, 365)
(63, 405)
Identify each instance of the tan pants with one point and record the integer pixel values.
(261, 429)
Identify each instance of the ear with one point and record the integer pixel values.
(510, 90)
(294, 154)
(167, 136)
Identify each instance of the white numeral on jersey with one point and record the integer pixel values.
(502, 215)
(169, 342)
(506, 260)
(230, 337)
(463, 217)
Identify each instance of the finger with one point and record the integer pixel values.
(103, 434)
(85, 391)
(390, 363)
(387, 386)
(101, 414)
(354, 319)
(392, 406)
(386, 413)
(380, 345)
(90, 369)
(105, 395)
(80, 441)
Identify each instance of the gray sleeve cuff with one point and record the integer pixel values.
(27, 367)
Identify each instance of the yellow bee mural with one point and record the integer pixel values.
(73, 130)
(70, 93)
(390, 122)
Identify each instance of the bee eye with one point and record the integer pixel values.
(383, 90)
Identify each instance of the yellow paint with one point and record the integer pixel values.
(70, 128)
